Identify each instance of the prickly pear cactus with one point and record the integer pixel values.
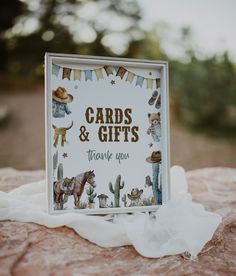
(60, 171)
(116, 190)
(91, 194)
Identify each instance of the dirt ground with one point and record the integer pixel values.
(22, 138)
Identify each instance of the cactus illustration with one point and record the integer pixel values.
(91, 194)
(116, 190)
(60, 172)
(157, 192)
(124, 199)
(55, 161)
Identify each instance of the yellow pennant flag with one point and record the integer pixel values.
(149, 83)
(130, 77)
(77, 74)
(98, 73)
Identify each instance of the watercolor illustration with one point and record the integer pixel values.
(155, 160)
(60, 100)
(155, 127)
(72, 186)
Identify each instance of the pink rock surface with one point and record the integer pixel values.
(30, 249)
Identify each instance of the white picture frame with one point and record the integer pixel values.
(104, 96)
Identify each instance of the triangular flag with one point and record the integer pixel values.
(116, 68)
(88, 75)
(98, 73)
(66, 73)
(139, 81)
(121, 72)
(130, 77)
(109, 70)
(158, 83)
(77, 74)
(149, 83)
(55, 69)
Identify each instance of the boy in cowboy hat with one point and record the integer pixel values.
(134, 196)
(60, 99)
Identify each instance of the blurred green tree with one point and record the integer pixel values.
(9, 12)
(203, 91)
(70, 27)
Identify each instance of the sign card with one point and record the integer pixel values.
(107, 134)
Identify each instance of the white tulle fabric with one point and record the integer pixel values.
(178, 226)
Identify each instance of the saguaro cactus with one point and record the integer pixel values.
(60, 171)
(55, 161)
(116, 190)
(157, 192)
(91, 194)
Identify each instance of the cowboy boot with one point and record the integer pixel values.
(153, 97)
(158, 102)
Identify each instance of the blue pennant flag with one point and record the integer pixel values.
(139, 81)
(88, 75)
(55, 69)
(116, 68)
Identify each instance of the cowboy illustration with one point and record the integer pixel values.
(60, 100)
(134, 196)
(155, 160)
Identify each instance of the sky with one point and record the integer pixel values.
(212, 21)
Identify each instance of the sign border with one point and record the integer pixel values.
(165, 131)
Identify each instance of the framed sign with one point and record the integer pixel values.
(107, 134)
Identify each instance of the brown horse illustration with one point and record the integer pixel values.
(72, 186)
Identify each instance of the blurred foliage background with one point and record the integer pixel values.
(202, 89)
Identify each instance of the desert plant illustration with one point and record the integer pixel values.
(155, 160)
(116, 190)
(60, 131)
(60, 172)
(55, 161)
(124, 199)
(81, 205)
(91, 196)
(102, 201)
(148, 201)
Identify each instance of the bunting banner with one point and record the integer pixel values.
(121, 72)
(139, 81)
(109, 71)
(149, 83)
(66, 73)
(130, 77)
(88, 75)
(77, 74)
(55, 69)
(98, 73)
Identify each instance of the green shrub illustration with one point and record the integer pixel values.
(116, 190)
(91, 194)
(148, 201)
(82, 205)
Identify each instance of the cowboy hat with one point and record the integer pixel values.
(135, 193)
(61, 95)
(155, 157)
